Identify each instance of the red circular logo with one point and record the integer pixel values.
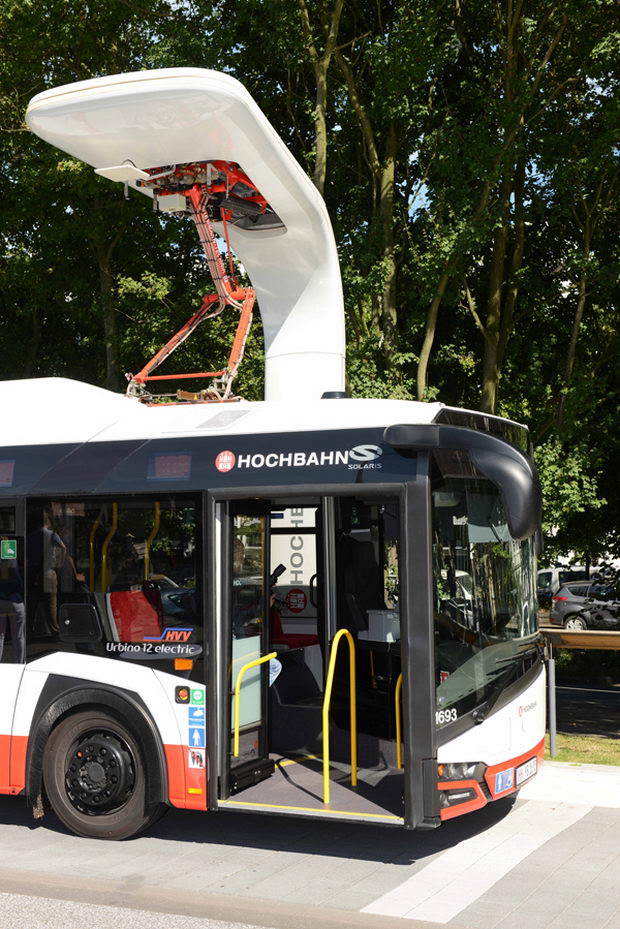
(296, 600)
(225, 461)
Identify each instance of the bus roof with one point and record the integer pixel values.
(55, 410)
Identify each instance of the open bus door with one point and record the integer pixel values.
(250, 663)
(295, 680)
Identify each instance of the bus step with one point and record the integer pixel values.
(250, 773)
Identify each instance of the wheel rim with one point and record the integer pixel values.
(575, 624)
(99, 773)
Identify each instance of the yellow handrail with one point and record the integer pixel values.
(149, 541)
(105, 546)
(242, 670)
(91, 552)
(342, 633)
(399, 758)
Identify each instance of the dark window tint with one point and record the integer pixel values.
(603, 592)
(574, 590)
(12, 615)
(484, 592)
(21, 468)
(135, 561)
(572, 575)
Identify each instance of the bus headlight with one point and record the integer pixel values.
(459, 771)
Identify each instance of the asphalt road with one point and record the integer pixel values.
(588, 710)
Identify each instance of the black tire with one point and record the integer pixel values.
(575, 621)
(94, 777)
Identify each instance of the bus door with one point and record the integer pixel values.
(315, 636)
(12, 637)
(248, 647)
(275, 634)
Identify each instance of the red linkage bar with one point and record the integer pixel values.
(228, 294)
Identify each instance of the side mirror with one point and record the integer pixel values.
(79, 623)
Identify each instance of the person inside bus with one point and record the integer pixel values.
(12, 610)
(47, 557)
(46, 554)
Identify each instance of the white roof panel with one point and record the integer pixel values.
(50, 411)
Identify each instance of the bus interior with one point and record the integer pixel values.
(317, 722)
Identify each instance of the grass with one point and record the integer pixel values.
(585, 749)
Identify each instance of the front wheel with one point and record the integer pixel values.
(94, 777)
(575, 622)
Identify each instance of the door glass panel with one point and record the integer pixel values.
(294, 569)
(248, 635)
(367, 603)
(12, 612)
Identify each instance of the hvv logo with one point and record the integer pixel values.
(170, 635)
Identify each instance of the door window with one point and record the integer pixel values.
(248, 627)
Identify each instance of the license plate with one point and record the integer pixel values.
(526, 770)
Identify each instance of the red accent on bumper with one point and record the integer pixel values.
(187, 786)
(489, 777)
(538, 750)
(449, 812)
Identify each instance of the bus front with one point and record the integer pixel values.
(486, 669)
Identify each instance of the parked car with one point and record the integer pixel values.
(549, 581)
(586, 605)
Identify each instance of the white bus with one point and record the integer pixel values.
(310, 605)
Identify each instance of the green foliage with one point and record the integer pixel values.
(461, 144)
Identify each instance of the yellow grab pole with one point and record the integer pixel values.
(149, 541)
(106, 545)
(342, 633)
(242, 670)
(399, 685)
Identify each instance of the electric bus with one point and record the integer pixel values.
(309, 605)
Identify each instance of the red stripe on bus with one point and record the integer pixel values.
(19, 750)
(187, 785)
(13, 751)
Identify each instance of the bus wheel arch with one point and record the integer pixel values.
(134, 745)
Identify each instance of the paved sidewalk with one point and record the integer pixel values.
(549, 860)
(552, 863)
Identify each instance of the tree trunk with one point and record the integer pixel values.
(321, 64)
(320, 127)
(518, 249)
(572, 347)
(106, 281)
(490, 357)
(386, 212)
(429, 331)
(32, 348)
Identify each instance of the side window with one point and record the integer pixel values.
(603, 592)
(580, 591)
(12, 612)
(132, 563)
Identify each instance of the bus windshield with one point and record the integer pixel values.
(484, 596)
